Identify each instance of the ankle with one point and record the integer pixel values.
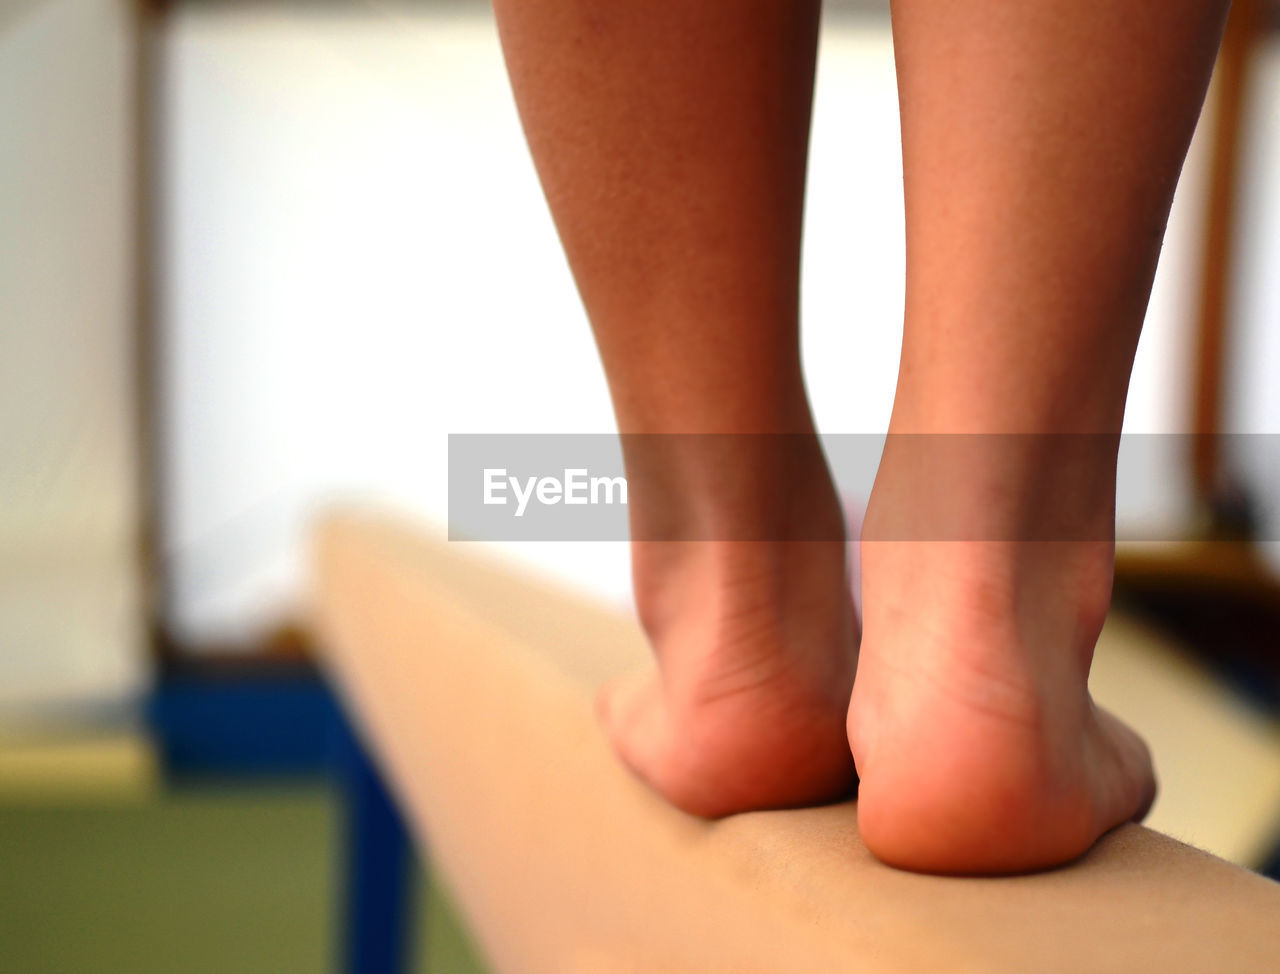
(730, 593)
(735, 527)
(952, 613)
(1007, 487)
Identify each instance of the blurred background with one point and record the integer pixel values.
(258, 257)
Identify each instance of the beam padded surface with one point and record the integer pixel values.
(475, 685)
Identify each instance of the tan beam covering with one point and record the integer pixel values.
(474, 686)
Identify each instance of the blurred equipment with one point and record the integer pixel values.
(1218, 593)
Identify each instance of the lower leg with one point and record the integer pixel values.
(671, 139)
(1041, 145)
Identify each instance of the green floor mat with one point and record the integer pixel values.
(198, 882)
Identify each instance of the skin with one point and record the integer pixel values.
(1041, 145)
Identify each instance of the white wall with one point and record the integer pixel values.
(362, 263)
(69, 624)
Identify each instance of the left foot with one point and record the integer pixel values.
(756, 644)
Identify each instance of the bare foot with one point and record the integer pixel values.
(978, 746)
(756, 649)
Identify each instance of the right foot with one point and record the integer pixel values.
(976, 741)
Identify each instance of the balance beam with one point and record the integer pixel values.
(474, 687)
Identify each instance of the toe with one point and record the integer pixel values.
(620, 702)
(1136, 787)
(631, 712)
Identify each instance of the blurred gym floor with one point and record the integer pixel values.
(115, 875)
